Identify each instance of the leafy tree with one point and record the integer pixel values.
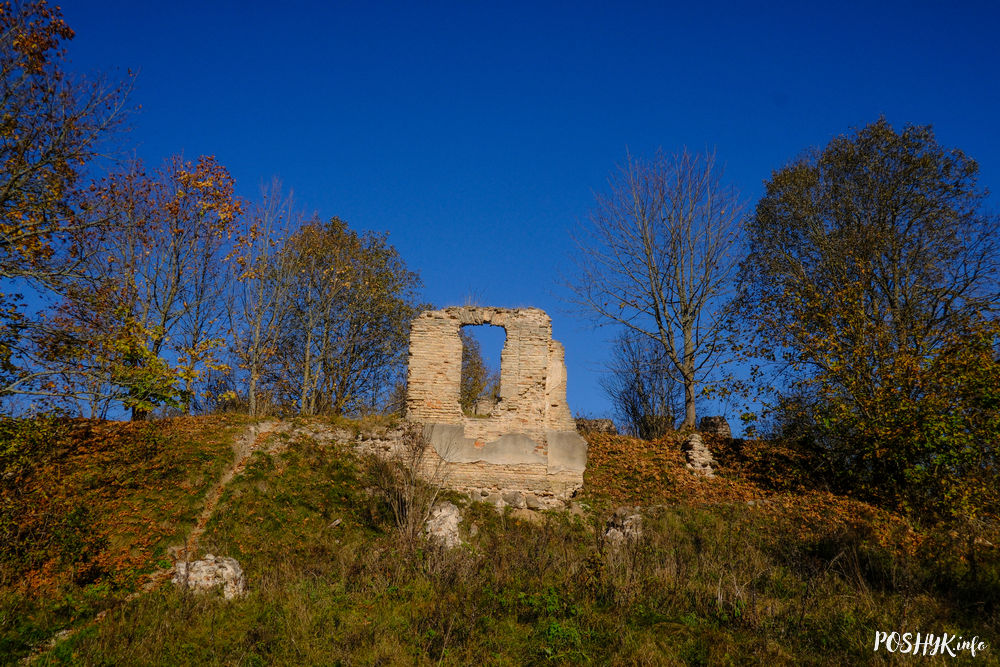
(351, 299)
(874, 274)
(658, 258)
(142, 317)
(51, 126)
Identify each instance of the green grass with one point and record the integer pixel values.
(713, 582)
(93, 512)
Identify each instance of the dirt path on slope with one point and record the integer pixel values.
(255, 438)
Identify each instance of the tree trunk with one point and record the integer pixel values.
(252, 392)
(689, 414)
(688, 374)
(306, 377)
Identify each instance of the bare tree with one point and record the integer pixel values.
(642, 393)
(658, 257)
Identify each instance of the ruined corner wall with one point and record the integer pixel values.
(529, 440)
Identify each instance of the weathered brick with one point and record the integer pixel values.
(532, 402)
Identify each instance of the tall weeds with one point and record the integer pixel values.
(409, 481)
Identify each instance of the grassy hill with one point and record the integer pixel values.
(750, 567)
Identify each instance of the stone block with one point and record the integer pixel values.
(209, 573)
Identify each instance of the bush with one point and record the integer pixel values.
(923, 442)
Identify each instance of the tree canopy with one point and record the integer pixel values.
(873, 269)
(52, 123)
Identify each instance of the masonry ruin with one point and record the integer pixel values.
(528, 442)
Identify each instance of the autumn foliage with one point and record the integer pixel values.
(872, 288)
(52, 125)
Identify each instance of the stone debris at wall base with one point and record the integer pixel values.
(624, 526)
(442, 525)
(516, 499)
(699, 458)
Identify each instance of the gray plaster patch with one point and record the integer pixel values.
(567, 451)
(450, 443)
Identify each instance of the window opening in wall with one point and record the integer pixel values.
(480, 387)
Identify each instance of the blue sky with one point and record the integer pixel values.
(477, 133)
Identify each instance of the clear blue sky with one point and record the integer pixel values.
(476, 133)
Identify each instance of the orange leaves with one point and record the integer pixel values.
(34, 30)
(51, 125)
(629, 470)
(626, 469)
(211, 187)
(815, 516)
(181, 202)
(136, 482)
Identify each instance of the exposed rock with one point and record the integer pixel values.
(211, 572)
(624, 526)
(717, 426)
(602, 426)
(442, 525)
(699, 458)
(515, 499)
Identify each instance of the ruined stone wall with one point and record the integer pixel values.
(529, 431)
(435, 370)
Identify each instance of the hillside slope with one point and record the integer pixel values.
(732, 570)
